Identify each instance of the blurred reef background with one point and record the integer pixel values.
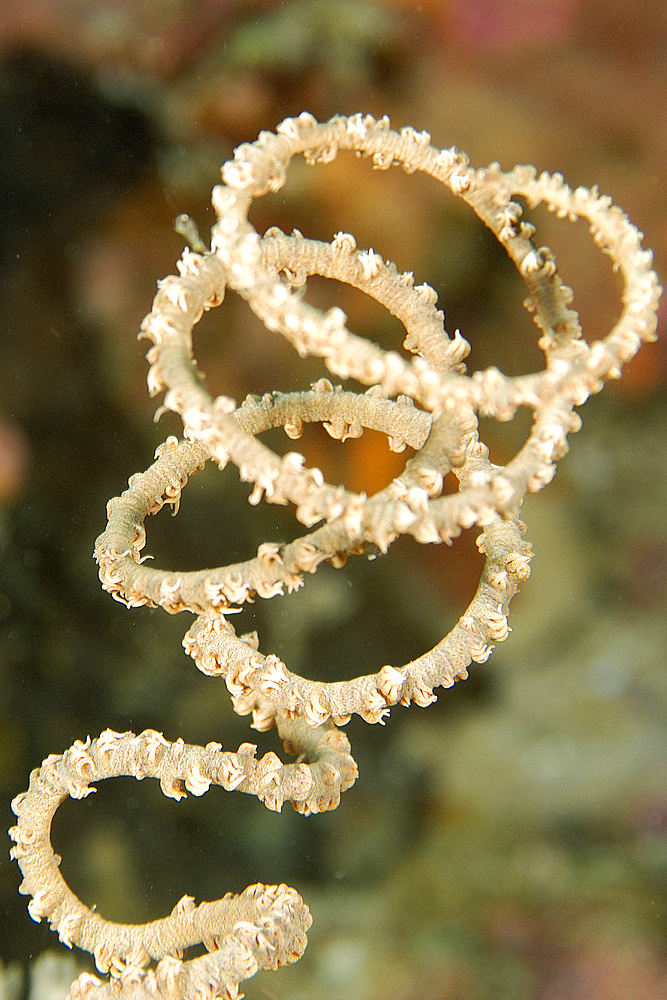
(508, 843)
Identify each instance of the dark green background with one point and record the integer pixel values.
(509, 841)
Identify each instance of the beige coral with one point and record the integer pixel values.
(424, 401)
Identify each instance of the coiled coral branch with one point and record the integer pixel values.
(426, 402)
(263, 927)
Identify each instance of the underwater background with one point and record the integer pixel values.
(507, 843)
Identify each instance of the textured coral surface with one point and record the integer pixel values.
(507, 841)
